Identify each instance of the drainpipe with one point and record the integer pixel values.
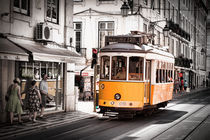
(65, 31)
(195, 67)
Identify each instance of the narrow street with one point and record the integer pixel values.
(183, 118)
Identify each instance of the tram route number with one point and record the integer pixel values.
(123, 39)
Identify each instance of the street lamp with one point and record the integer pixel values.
(124, 9)
(202, 51)
(166, 34)
(166, 31)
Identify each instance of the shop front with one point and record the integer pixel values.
(34, 70)
(10, 54)
(52, 60)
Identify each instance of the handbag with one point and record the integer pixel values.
(6, 98)
(49, 98)
(8, 93)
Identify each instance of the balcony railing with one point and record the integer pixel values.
(178, 30)
(183, 62)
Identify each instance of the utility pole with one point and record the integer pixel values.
(94, 66)
(94, 94)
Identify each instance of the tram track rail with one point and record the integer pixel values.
(205, 105)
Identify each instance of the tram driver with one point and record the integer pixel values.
(121, 74)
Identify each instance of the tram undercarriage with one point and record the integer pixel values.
(147, 110)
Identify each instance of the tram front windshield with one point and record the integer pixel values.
(119, 68)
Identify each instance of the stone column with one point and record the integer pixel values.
(7, 74)
(70, 97)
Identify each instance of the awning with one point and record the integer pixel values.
(10, 51)
(86, 70)
(40, 52)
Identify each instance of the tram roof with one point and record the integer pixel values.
(132, 48)
(121, 47)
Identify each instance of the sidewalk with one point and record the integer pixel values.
(85, 110)
(183, 94)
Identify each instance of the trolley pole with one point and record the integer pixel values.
(94, 82)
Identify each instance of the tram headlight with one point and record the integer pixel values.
(117, 96)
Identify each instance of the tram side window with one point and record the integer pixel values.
(119, 65)
(157, 76)
(105, 66)
(136, 68)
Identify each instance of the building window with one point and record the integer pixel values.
(158, 37)
(145, 2)
(145, 28)
(177, 49)
(52, 10)
(169, 10)
(105, 29)
(78, 35)
(164, 8)
(173, 14)
(172, 47)
(158, 6)
(22, 6)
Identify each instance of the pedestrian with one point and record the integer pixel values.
(204, 83)
(43, 87)
(182, 84)
(14, 104)
(27, 87)
(34, 100)
(185, 85)
(176, 83)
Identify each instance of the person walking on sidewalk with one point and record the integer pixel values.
(185, 85)
(43, 87)
(182, 84)
(34, 100)
(14, 104)
(176, 86)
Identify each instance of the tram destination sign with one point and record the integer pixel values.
(125, 39)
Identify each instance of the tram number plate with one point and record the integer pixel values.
(122, 103)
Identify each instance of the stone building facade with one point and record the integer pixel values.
(94, 19)
(36, 38)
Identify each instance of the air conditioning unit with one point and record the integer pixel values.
(43, 32)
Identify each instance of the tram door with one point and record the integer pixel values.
(147, 82)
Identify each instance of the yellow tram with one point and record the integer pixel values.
(134, 75)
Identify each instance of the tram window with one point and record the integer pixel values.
(105, 65)
(164, 76)
(157, 76)
(136, 68)
(161, 76)
(119, 65)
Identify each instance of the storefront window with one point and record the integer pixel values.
(136, 68)
(37, 72)
(34, 70)
(105, 66)
(119, 65)
(26, 70)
